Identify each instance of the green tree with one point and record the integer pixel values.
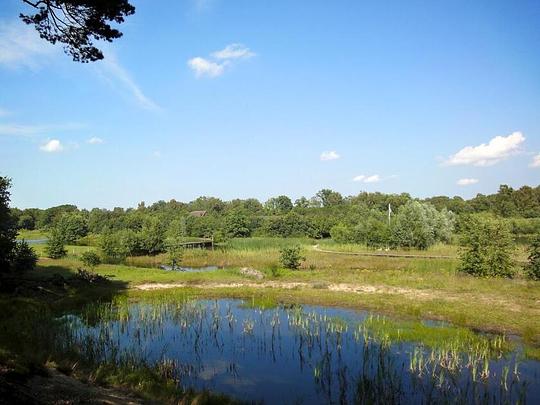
(75, 23)
(291, 257)
(237, 225)
(55, 248)
(175, 253)
(329, 198)
(533, 265)
(420, 225)
(411, 227)
(24, 258)
(26, 221)
(153, 236)
(279, 205)
(72, 226)
(111, 248)
(341, 233)
(486, 248)
(8, 226)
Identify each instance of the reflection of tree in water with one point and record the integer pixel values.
(349, 361)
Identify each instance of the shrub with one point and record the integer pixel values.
(90, 276)
(533, 266)
(291, 258)
(90, 259)
(486, 248)
(24, 257)
(55, 245)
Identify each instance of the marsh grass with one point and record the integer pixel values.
(444, 361)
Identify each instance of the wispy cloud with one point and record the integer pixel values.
(219, 61)
(535, 162)
(52, 146)
(203, 5)
(329, 155)
(30, 130)
(4, 112)
(95, 140)
(374, 178)
(112, 69)
(466, 182)
(233, 51)
(496, 150)
(21, 46)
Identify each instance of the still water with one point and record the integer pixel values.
(308, 354)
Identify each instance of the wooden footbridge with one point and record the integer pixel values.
(194, 243)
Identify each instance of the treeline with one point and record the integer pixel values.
(360, 219)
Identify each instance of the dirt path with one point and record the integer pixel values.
(335, 287)
(408, 293)
(398, 255)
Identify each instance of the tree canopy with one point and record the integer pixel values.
(77, 23)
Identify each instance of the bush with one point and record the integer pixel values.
(291, 258)
(486, 248)
(24, 257)
(90, 259)
(533, 266)
(55, 245)
(90, 276)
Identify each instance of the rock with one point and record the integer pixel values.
(249, 272)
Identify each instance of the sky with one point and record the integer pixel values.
(253, 98)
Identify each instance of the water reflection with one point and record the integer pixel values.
(307, 354)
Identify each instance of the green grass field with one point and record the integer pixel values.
(419, 288)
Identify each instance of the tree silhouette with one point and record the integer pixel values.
(76, 23)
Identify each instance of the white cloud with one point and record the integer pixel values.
(374, 178)
(535, 162)
(329, 155)
(234, 51)
(21, 46)
(111, 68)
(94, 140)
(218, 61)
(204, 67)
(466, 182)
(498, 148)
(51, 146)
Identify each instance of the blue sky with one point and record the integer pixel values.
(261, 98)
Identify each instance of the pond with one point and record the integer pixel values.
(260, 352)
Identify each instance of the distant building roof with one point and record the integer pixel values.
(197, 213)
